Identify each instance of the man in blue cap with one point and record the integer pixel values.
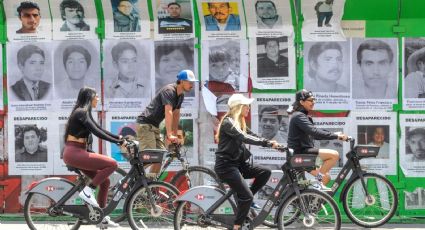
(166, 104)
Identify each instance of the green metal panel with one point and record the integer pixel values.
(371, 10)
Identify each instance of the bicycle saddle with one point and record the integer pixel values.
(73, 169)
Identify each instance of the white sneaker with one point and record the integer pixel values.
(107, 222)
(320, 186)
(88, 196)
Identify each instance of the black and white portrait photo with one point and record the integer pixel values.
(374, 71)
(375, 135)
(267, 15)
(414, 199)
(273, 121)
(31, 78)
(170, 58)
(415, 144)
(76, 64)
(414, 68)
(175, 17)
(127, 66)
(28, 20)
(73, 16)
(326, 67)
(272, 57)
(29, 145)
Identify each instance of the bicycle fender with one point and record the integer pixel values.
(205, 196)
(53, 187)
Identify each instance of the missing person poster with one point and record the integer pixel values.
(270, 120)
(225, 66)
(268, 18)
(74, 19)
(272, 62)
(377, 128)
(412, 145)
(29, 76)
(322, 20)
(222, 19)
(28, 20)
(31, 143)
(128, 81)
(173, 20)
(126, 19)
(59, 121)
(327, 74)
(170, 58)
(335, 125)
(413, 73)
(76, 64)
(374, 76)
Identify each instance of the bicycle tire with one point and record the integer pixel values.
(319, 204)
(189, 216)
(139, 209)
(119, 214)
(200, 174)
(60, 222)
(364, 221)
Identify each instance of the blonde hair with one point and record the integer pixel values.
(235, 113)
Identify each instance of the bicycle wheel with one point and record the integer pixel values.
(195, 176)
(36, 214)
(322, 209)
(140, 213)
(374, 210)
(118, 214)
(189, 216)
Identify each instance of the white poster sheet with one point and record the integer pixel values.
(327, 73)
(374, 76)
(28, 20)
(322, 20)
(173, 20)
(414, 199)
(29, 76)
(76, 65)
(128, 81)
(270, 120)
(333, 124)
(58, 131)
(413, 73)
(74, 19)
(208, 125)
(126, 19)
(412, 145)
(272, 63)
(377, 128)
(225, 66)
(268, 18)
(224, 19)
(31, 143)
(171, 57)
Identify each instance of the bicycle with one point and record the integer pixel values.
(363, 188)
(147, 202)
(187, 177)
(208, 206)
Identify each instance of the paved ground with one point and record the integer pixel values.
(23, 226)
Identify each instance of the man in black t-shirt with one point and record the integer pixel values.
(166, 104)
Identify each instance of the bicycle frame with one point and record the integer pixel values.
(170, 158)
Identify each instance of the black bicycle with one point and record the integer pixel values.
(51, 202)
(210, 207)
(369, 199)
(187, 177)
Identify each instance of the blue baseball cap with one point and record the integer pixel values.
(186, 75)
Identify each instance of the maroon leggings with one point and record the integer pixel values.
(96, 166)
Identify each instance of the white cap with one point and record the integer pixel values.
(239, 99)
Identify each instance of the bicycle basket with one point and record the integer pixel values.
(366, 150)
(152, 155)
(303, 161)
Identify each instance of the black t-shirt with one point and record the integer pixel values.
(154, 113)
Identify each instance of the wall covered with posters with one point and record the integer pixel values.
(366, 69)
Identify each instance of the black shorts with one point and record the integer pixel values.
(309, 151)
